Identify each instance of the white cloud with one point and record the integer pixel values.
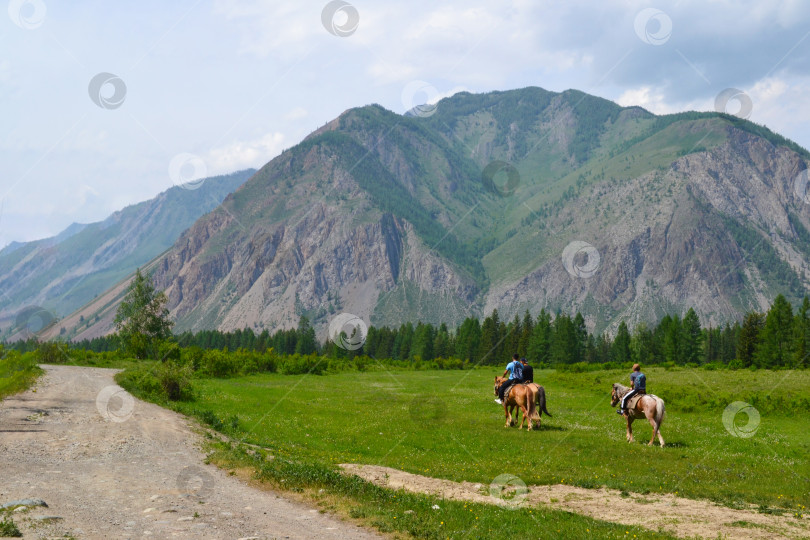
(243, 154)
(296, 114)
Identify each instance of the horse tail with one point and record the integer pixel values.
(541, 401)
(659, 411)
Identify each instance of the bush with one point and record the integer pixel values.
(9, 529)
(141, 381)
(298, 364)
(216, 363)
(175, 380)
(169, 351)
(211, 419)
(52, 353)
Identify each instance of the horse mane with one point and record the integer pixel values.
(621, 389)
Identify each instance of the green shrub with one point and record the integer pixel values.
(216, 363)
(298, 364)
(211, 419)
(53, 353)
(9, 529)
(17, 372)
(175, 380)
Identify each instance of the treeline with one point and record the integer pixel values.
(777, 338)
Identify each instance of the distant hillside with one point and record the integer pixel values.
(64, 272)
(524, 199)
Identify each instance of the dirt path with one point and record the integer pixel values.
(675, 515)
(111, 466)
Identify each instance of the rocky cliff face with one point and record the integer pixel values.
(613, 212)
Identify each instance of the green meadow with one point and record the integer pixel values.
(445, 424)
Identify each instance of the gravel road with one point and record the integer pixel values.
(111, 466)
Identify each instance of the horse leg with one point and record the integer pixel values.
(660, 438)
(528, 412)
(506, 414)
(629, 428)
(651, 419)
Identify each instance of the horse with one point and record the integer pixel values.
(521, 396)
(540, 401)
(648, 406)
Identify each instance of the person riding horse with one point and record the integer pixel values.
(638, 385)
(528, 371)
(515, 371)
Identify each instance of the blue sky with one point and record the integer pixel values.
(223, 85)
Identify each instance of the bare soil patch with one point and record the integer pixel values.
(111, 466)
(675, 515)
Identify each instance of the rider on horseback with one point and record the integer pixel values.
(515, 371)
(528, 371)
(638, 385)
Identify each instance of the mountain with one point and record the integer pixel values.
(57, 275)
(515, 200)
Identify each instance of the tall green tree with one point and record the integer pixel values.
(620, 352)
(776, 339)
(748, 340)
(306, 342)
(801, 334)
(142, 320)
(540, 341)
(468, 338)
(691, 337)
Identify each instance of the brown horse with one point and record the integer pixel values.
(649, 406)
(521, 396)
(540, 402)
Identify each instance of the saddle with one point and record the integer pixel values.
(631, 403)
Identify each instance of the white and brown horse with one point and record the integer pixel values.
(648, 406)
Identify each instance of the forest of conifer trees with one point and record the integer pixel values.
(775, 339)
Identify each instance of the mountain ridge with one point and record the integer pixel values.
(62, 273)
(397, 218)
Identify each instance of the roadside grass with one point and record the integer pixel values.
(407, 514)
(444, 424)
(17, 373)
(9, 529)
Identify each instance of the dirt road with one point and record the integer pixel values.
(676, 515)
(111, 466)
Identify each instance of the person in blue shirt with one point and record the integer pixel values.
(638, 385)
(515, 371)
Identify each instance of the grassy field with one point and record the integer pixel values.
(444, 424)
(17, 373)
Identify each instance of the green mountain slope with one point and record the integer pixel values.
(476, 207)
(62, 273)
